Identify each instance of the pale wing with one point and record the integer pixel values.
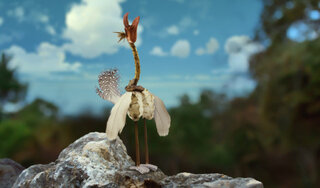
(109, 85)
(117, 118)
(161, 117)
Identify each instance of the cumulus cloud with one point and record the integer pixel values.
(196, 32)
(239, 85)
(200, 51)
(50, 30)
(17, 13)
(181, 49)
(173, 30)
(39, 17)
(240, 49)
(157, 51)
(1, 21)
(186, 22)
(48, 58)
(90, 27)
(34, 17)
(211, 47)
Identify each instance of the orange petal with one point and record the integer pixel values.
(135, 22)
(125, 20)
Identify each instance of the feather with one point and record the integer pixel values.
(117, 117)
(161, 117)
(109, 85)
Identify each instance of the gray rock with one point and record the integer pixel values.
(9, 171)
(94, 161)
(209, 180)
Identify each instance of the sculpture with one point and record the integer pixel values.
(137, 102)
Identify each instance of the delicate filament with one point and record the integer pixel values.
(137, 63)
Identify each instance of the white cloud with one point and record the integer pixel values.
(40, 17)
(34, 17)
(239, 85)
(173, 30)
(1, 21)
(48, 58)
(90, 27)
(157, 51)
(181, 49)
(200, 51)
(187, 22)
(18, 13)
(211, 47)
(50, 30)
(240, 49)
(196, 32)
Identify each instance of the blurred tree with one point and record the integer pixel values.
(288, 77)
(288, 94)
(278, 16)
(14, 133)
(11, 89)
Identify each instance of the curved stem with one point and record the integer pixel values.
(137, 63)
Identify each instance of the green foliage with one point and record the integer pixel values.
(14, 133)
(11, 90)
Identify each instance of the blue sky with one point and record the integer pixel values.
(60, 47)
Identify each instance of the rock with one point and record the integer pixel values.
(91, 161)
(9, 171)
(94, 161)
(209, 180)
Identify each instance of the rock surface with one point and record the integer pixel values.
(9, 171)
(94, 161)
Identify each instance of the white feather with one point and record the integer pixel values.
(117, 117)
(161, 117)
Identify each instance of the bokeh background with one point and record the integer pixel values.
(240, 78)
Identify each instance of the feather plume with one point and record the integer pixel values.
(109, 85)
(117, 117)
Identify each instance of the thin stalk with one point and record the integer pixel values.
(146, 142)
(137, 143)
